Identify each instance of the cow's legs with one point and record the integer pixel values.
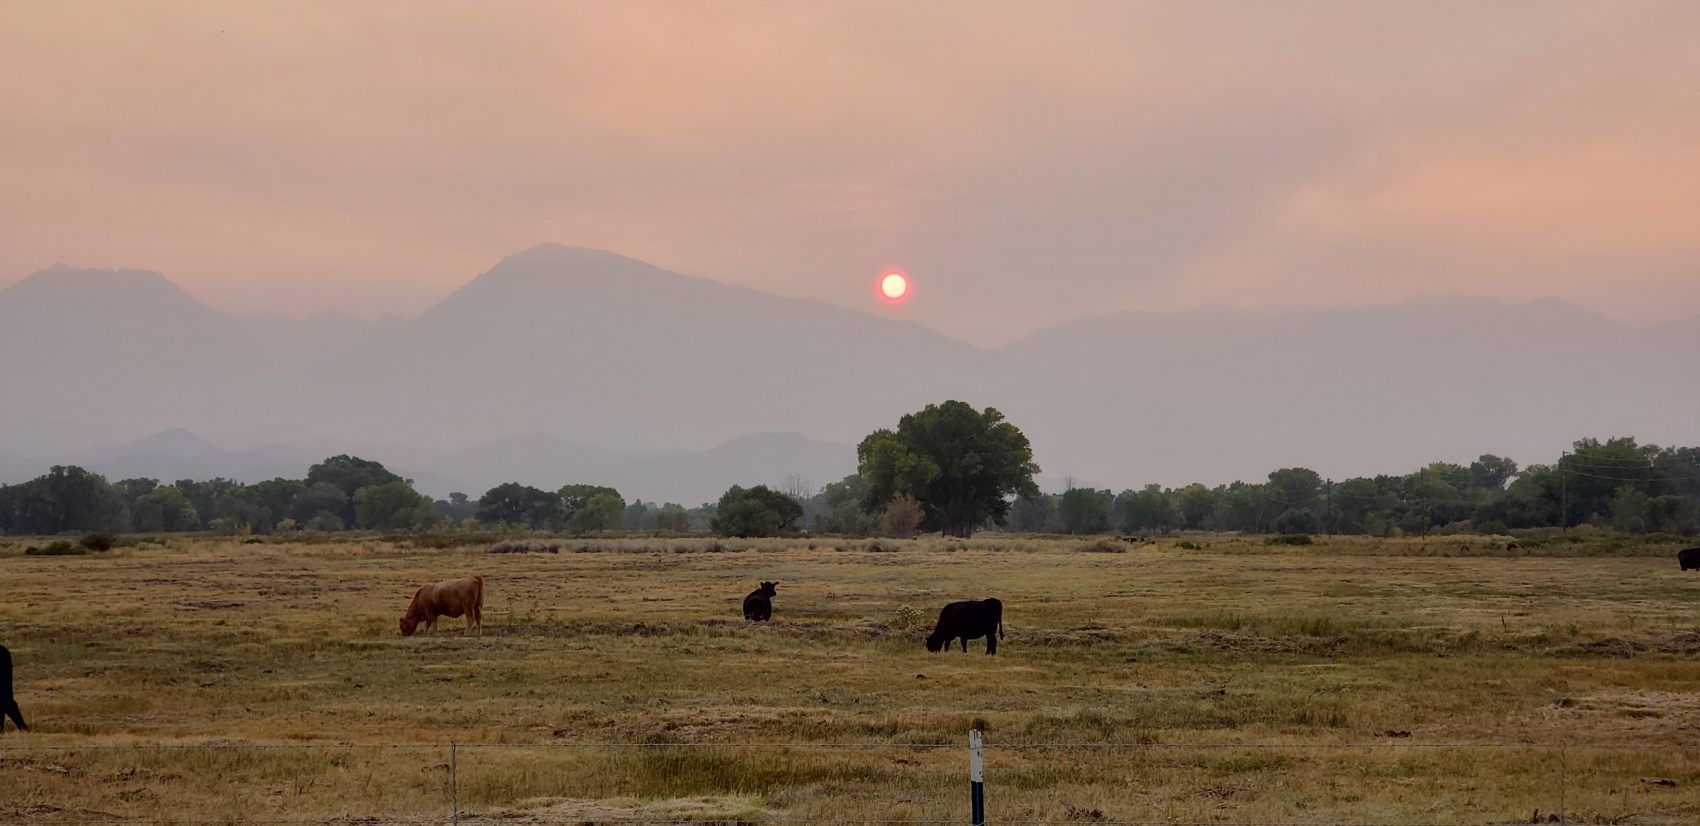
(11, 710)
(964, 645)
(991, 644)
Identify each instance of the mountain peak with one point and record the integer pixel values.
(555, 260)
(74, 290)
(551, 273)
(175, 442)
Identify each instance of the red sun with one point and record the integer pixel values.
(894, 286)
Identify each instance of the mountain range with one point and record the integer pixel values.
(565, 364)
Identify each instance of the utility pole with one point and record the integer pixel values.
(1563, 495)
(1328, 497)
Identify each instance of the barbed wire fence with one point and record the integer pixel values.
(973, 793)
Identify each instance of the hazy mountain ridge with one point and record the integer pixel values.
(624, 359)
(1428, 379)
(538, 459)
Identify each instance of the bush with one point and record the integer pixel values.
(59, 548)
(907, 617)
(1189, 545)
(757, 511)
(902, 516)
(325, 522)
(1290, 539)
(99, 542)
(1296, 521)
(1102, 546)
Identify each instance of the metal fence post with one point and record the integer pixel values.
(976, 779)
(1561, 771)
(454, 786)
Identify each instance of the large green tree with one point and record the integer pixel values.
(757, 511)
(1151, 509)
(1297, 488)
(323, 501)
(393, 506)
(585, 508)
(518, 504)
(67, 498)
(164, 509)
(349, 474)
(963, 465)
(1084, 510)
(843, 503)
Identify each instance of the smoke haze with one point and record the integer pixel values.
(1026, 164)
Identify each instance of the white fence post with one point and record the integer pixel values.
(976, 779)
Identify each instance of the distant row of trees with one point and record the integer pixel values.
(340, 493)
(947, 468)
(1618, 483)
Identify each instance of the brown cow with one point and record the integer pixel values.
(455, 598)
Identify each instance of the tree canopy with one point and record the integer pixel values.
(961, 464)
(517, 504)
(1084, 510)
(757, 511)
(585, 508)
(392, 506)
(67, 498)
(349, 474)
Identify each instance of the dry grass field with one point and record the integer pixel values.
(1372, 675)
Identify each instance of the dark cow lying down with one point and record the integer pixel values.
(455, 598)
(1689, 559)
(968, 620)
(8, 705)
(758, 606)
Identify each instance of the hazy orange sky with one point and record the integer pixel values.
(1024, 162)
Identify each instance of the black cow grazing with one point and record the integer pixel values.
(8, 705)
(1689, 559)
(968, 620)
(758, 606)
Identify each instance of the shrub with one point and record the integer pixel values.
(1296, 521)
(1189, 545)
(907, 617)
(99, 542)
(1102, 546)
(325, 521)
(1290, 539)
(59, 548)
(902, 516)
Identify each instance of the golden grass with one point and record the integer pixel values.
(1319, 649)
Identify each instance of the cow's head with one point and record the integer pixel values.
(767, 588)
(408, 626)
(935, 641)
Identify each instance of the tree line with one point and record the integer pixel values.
(948, 468)
(1618, 483)
(340, 493)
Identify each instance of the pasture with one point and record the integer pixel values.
(1358, 680)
